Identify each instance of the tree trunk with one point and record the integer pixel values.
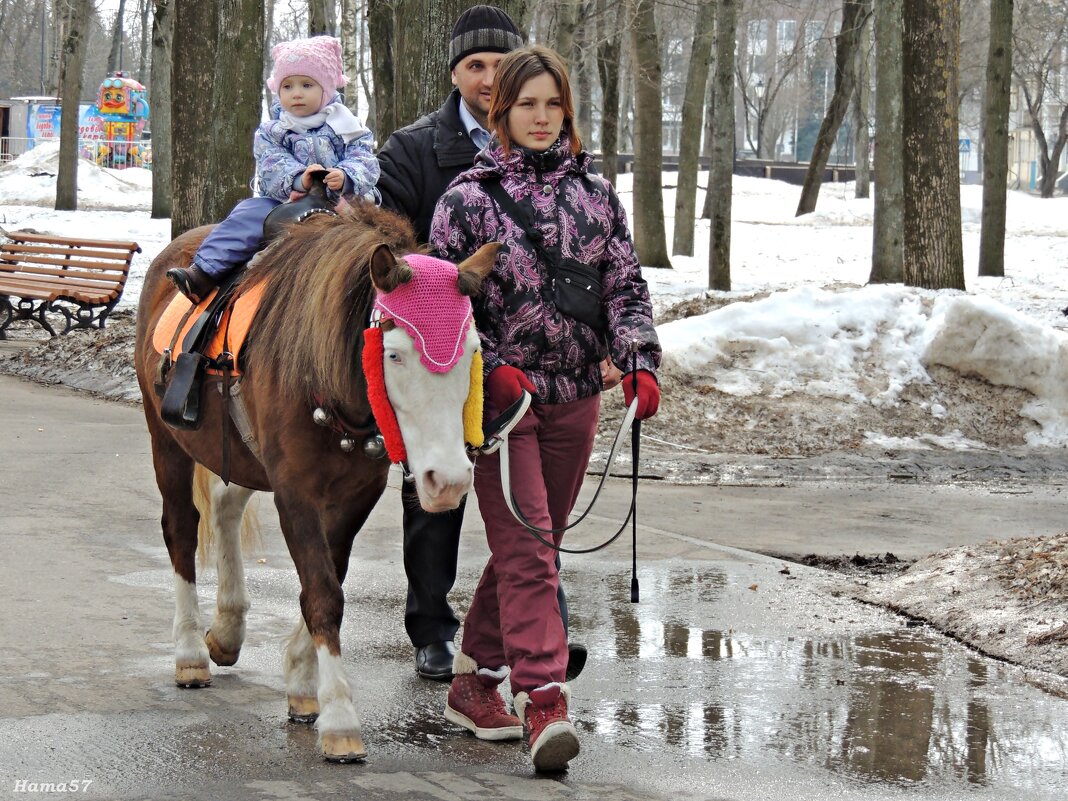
(648, 219)
(115, 54)
(721, 176)
(159, 102)
(1051, 159)
(846, 43)
(862, 105)
(996, 139)
(608, 52)
(70, 78)
(192, 82)
(145, 11)
(690, 142)
(380, 36)
(322, 16)
(410, 55)
(562, 36)
(930, 55)
(350, 23)
(710, 133)
(888, 233)
(235, 104)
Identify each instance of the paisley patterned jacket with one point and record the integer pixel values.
(579, 216)
(283, 155)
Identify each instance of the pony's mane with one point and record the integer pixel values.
(317, 297)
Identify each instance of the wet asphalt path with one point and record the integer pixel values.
(730, 680)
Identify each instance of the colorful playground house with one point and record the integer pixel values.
(122, 107)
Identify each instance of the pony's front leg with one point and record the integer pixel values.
(322, 604)
(300, 667)
(227, 633)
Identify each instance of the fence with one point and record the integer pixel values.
(113, 153)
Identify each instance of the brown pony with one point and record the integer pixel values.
(318, 283)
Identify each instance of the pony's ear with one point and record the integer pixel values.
(387, 272)
(476, 267)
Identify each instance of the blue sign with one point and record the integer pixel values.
(964, 145)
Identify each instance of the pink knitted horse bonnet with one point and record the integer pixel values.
(431, 309)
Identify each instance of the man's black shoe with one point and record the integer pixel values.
(434, 661)
(576, 660)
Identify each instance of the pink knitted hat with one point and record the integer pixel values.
(432, 310)
(318, 57)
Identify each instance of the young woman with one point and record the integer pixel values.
(554, 216)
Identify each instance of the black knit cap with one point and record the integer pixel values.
(482, 29)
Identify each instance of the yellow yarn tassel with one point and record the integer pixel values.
(473, 404)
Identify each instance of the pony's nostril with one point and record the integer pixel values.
(431, 479)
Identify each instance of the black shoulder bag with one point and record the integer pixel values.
(576, 287)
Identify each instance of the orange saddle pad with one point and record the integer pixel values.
(234, 325)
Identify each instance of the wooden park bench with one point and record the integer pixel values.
(81, 279)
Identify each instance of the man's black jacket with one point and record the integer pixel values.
(421, 159)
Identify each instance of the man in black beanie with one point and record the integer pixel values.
(417, 164)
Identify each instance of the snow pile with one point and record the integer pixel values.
(978, 336)
(30, 179)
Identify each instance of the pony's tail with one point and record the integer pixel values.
(251, 531)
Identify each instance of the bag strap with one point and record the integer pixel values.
(509, 206)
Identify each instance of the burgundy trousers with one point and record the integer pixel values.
(514, 617)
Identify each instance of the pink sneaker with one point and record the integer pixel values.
(475, 703)
(552, 737)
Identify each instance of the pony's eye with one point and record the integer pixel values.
(394, 357)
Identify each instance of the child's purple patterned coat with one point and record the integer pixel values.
(578, 215)
(283, 155)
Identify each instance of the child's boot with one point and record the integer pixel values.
(552, 737)
(475, 703)
(192, 282)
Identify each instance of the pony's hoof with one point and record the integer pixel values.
(303, 708)
(342, 747)
(218, 655)
(192, 676)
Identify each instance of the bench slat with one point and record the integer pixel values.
(96, 265)
(12, 247)
(91, 282)
(108, 278)
(22, 236)
(41, 292)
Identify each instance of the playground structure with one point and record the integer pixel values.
(122, 107)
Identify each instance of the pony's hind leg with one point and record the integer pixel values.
(174, 476)
(225, 509)
(301, 670)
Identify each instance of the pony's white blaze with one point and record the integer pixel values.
(429, 408)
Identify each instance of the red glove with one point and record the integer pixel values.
(648, 393)
(505, 386)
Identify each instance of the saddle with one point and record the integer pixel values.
(206, 345)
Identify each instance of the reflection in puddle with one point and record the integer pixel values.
(903, 706)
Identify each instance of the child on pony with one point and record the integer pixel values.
(310, 129)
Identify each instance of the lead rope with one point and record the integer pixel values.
(629, 420)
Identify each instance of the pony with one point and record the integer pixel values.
(320, 284)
